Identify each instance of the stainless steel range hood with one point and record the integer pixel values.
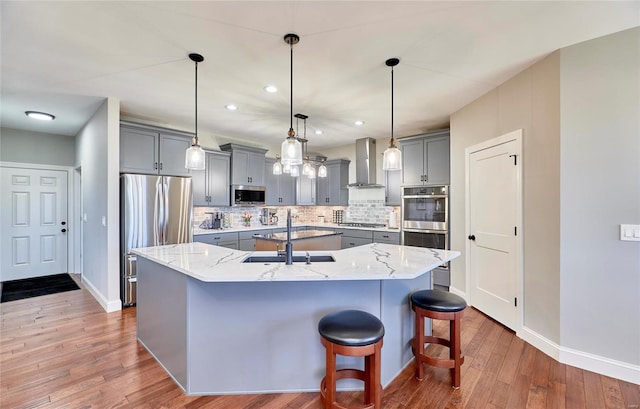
(365, 164)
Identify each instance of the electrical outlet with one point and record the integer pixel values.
(630, 232)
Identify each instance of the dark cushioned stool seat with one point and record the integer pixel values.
(437, 300)
(439, 305)
(352, 333)
(351, 328)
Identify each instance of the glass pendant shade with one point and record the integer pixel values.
(322, 171)
(305, 168)
(194, 158)
(277, 167)
(392, 159)
(295, 171)
(291, 151)
(312, 173)
(286, 168)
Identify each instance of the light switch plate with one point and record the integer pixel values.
(630, 232)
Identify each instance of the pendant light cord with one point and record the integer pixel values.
(291, 47)
(196, 125)
(392, 105)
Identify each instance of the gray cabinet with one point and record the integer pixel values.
(146, 150)
(392, 188)
(281, 189)
(441, 278)
(211, 185)
(229, 240)
(387, 237)
(425, 159)
(332, 190)
(305, 191)
(247, 164)
(354, 237)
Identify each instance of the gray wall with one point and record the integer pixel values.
(530, 101)
(98, 156)
(36, 147)
(600, 180)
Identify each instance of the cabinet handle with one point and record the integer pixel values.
(160, 165)
(352, 244)
(385, 236)
(155, 165)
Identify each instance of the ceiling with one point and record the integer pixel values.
(65, 57)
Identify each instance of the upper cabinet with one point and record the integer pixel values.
(149, 150)
(247, 164)
(211, 185)
(332, 190)
(305, 191)
(281, 189)
(425, 159)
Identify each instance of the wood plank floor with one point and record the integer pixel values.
(64, 351)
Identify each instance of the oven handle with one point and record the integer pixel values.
(426, 231)
(425, 196)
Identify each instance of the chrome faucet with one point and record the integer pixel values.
(288, 247)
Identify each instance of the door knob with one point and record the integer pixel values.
(64, 230)
(472, 237)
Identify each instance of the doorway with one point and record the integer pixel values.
(34, 220)
(493, 221)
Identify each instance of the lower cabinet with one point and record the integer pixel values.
(228, 240)
(441, 278)
(387, 237)
(354, 237)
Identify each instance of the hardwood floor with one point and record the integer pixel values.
(64, 351)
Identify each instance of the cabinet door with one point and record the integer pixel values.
(412, 162)
(393, 191)
(323, 190)
(256, 169)
(218, 186)
(138, 151)
(338, 177)
(437, 163)
(305, 191)
(288, 190)
(348, 242)
(172, 153)
(199, 187)
(272, 196)
(240, 167)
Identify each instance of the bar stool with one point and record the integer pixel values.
(439, 305)
(352, 333)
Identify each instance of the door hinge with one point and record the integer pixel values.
(515, 301)
(515, 160)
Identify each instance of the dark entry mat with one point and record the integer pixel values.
(36, 286)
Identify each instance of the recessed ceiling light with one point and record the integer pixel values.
(318, 132)
(271, 88)
(43, 116)
(231, 107)
(358, 123)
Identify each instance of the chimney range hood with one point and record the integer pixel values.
(365, 164)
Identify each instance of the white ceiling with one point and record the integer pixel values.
(64, 57)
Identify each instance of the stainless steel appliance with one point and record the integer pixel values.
(425, 216)
(155, 210)
(242, 195)
(268, 216)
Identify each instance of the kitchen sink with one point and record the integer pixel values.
(296, 259)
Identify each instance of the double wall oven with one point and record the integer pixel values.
(425, 216)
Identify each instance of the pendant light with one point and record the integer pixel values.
(322, 170)
(392, 159)
(195, 158)
(291, 152)
(295, 171)
(277, 166)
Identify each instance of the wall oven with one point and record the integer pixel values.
(425, 216)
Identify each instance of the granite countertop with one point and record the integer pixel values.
(198, 231)
(375, 261)
(298, 235)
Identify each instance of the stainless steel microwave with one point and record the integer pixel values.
(243, 195)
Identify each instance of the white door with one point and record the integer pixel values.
(493, 224)
(34, 223)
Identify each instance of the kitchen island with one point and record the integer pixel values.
(221, 326)
(301, 240)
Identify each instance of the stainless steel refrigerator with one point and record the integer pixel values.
(155, 210)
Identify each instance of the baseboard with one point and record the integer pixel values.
(108, 306)
(457, 292)
(583, 360)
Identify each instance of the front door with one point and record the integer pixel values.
(34, 223)
(493, 220)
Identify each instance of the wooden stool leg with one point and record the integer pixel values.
(418, 345)
(374, 377)
(454, 349)
(330, 376)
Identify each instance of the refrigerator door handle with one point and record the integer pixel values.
(158, 217)
(165, 207)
